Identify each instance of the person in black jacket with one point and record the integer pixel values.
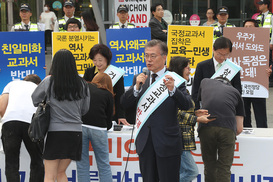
(95, 125)
(101, 56)
(158, 25)
(222, 49)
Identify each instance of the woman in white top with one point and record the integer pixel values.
(210, 16)
(48, 18)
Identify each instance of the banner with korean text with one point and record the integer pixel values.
(22, 54)
(194, 43)
(245, 167)
(139, 12)
(127, 46)
(250, 50)
(79, 43)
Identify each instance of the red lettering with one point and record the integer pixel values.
(138, 18)
(144, 18)
(133, 19)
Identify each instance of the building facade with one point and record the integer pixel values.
(239, 10)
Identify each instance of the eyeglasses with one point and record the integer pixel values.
(151, 56)
(160, 9)
(72, 26)
(222, 55)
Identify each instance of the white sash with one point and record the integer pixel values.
(227, 70)
(115, 73)
(154, 96)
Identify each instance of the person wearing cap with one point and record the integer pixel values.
(157, 24)
(122, 14)
(25, 24)
(73, 25)
(266, 21)
(222, 16)
(69, 9)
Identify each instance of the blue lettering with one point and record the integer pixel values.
(73, 178)
(117, 177)
(270, 179)
(94, 176)
(127, 179)
(254, 178)
(199, 178)
(22, 176)
(137, 177)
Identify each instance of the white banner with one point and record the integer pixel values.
(139, 11)
(227, 70)
(115, 73)
(152, 98)
(252, 159)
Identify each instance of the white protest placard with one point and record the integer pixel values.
(227, 70)
(139, 12)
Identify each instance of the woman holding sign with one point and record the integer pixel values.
(101, 56)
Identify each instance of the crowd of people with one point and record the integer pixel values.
(82, 109)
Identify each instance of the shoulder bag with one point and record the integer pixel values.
(40, 121)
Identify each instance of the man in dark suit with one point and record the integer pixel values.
(157, 24)
(158, 143)
(222, 49)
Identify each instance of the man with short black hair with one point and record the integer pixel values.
(69, 9)
(16, 110)
(73, 25)
(259, 104)
(123, 15)
(222, 49)
(249, 23)
(222, 16)
(25, 24)
(159, 27)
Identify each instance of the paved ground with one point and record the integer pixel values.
(269, 101)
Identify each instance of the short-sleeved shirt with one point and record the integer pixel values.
(221, 100)
(20, 106)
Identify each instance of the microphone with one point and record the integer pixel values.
(145, 71)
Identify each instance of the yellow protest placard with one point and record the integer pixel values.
(79, 43)
(194, 43)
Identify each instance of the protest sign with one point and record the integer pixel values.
(194, 43)
(127, 46)
(79, 43)
(139, 12)
(22, 54)
(250, 50)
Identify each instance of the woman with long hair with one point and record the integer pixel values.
(101, 56)
(210, 17)
(69, 99)
(89, 21)
(94, 129)
(187, 121)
